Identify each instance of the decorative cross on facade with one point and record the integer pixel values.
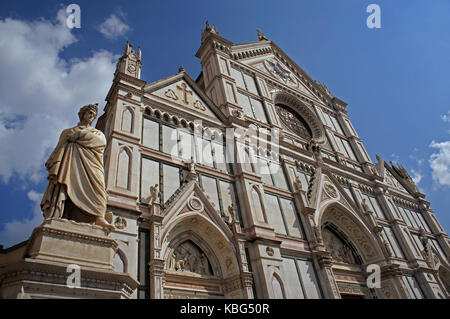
(185, 92)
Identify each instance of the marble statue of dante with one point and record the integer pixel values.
(76, 188)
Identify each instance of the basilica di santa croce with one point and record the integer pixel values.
(248, 182)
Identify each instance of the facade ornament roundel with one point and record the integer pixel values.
(330, 190)
(120, 223)
(195, 204)
(131, 68)
(270, 252)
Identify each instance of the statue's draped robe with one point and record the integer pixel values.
(77, 165)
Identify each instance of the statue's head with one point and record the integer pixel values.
(89, 107)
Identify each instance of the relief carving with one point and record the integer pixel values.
(120, 222)
(354, 231)
(340, 251)
(330, 189)
(189, 258)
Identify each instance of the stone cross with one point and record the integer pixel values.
(185, 92)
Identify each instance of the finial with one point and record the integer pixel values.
(181, 69)
(210, 28)
(261, 36)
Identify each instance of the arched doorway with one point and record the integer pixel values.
(190, 273)
(351, 247)
(346, 263)
(200, 261)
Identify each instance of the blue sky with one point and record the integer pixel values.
(395, 79)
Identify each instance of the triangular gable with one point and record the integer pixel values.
(332, 190)
(264, 55)
(279, 71)
(190, 198)
(182, 93)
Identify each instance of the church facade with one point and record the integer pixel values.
(251, 182)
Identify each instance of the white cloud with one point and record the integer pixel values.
(19, 230)
(113, 27)
(395, 157)
(416, 176)
(440, 163)
(446, 117)
(41, 93)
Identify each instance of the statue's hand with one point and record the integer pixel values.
(52, 178)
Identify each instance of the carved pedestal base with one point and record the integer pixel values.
(62, 240)
(42, 269)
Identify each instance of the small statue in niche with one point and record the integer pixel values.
(154, 195)
(229, 215)
(192, 174)
(180, 264)
(388, 248)
(297, 183)
(319, 239)
(370, 217)
(172, 261)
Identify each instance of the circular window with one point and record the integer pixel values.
(293, 121)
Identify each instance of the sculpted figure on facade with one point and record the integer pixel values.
(154, 195)
(188, 258)
(229, 215)
(388, 248)
(297, 183)
(76, 187)
(339, 251)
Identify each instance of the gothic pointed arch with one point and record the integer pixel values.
(258, 204)
(340, 247)
(124, 160)
(190, 254)
(200, 261)
(198, 249)
(350, 229)
(277, 287)
(127, 121)
(298, 117)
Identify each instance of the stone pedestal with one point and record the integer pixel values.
(43, 269)
(66, 241)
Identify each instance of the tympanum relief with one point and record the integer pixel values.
(189, 258)
(340, 251)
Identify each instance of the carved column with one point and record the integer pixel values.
(246, 275)
(156, 264)
(157, 277)
(331, 289)
(392, 286)
(247, 284)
